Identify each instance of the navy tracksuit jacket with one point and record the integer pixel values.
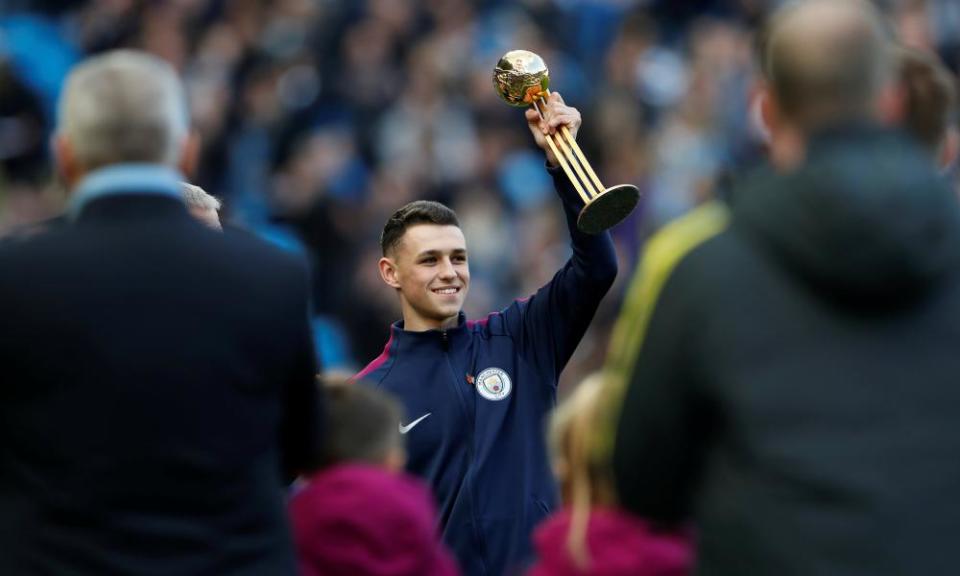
(476, 396)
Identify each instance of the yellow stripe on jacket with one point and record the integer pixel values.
(663, 253)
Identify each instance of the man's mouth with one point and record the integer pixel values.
(446, 291)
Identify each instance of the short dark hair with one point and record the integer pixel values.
(362, 424)
(930, 93)
(818, 81)
(416, 212)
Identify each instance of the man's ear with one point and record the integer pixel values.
(190, 155)
(785, 143)
(388, 272)
(891, 104)
(769, 114)
(68, 167)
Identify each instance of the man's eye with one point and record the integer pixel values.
(459, 258)
(428, 261)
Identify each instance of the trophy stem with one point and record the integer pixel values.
(573, 160)
(583, 159)
(603, 208)
(561, 158)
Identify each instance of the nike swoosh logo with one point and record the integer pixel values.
(409, 427)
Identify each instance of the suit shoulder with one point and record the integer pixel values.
(30, 242)
(673, 251)
(680, 246)
(682, 237)
(255, 247)
(21, 234)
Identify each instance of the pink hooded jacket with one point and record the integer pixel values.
(619, 545)
(355, 520)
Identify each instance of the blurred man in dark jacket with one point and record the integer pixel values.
(158, 376)
(790, 364)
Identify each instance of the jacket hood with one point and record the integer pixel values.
(867, 219)
(618, 544)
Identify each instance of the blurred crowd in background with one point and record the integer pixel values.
(320, 117)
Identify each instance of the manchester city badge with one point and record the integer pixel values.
(493, 384)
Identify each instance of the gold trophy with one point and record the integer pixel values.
(521, 79)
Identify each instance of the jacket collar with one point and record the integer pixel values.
(449, 337)
(125, 180)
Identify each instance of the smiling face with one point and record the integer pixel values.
(428, 267)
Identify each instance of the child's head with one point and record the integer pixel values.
(585, 480)
(361, 427)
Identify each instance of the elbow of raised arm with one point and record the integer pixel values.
(607, 267)
(595, 264)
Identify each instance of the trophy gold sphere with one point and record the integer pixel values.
(521, 77)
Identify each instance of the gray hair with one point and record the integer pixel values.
(124, 106)
(198, 197)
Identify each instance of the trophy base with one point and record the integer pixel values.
(608, 209)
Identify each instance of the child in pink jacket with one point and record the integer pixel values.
(590, 535)
(359, 515)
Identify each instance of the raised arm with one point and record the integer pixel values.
(552, 321)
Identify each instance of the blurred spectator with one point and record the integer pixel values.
(23, 129)
(158, 382)
(803, 408)
(590, 536)
(201, 205)
(925, 103)
(358, 515)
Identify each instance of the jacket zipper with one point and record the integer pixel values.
(477, 531)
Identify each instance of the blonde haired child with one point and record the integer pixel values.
(590, 535)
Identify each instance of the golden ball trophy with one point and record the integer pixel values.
(521, 79)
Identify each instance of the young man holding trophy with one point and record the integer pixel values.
(476, 392)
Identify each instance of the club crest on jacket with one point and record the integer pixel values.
(493, 384)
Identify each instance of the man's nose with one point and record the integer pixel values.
(446, 269)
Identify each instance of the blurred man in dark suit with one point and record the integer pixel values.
(790, 361)
(158, 376)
